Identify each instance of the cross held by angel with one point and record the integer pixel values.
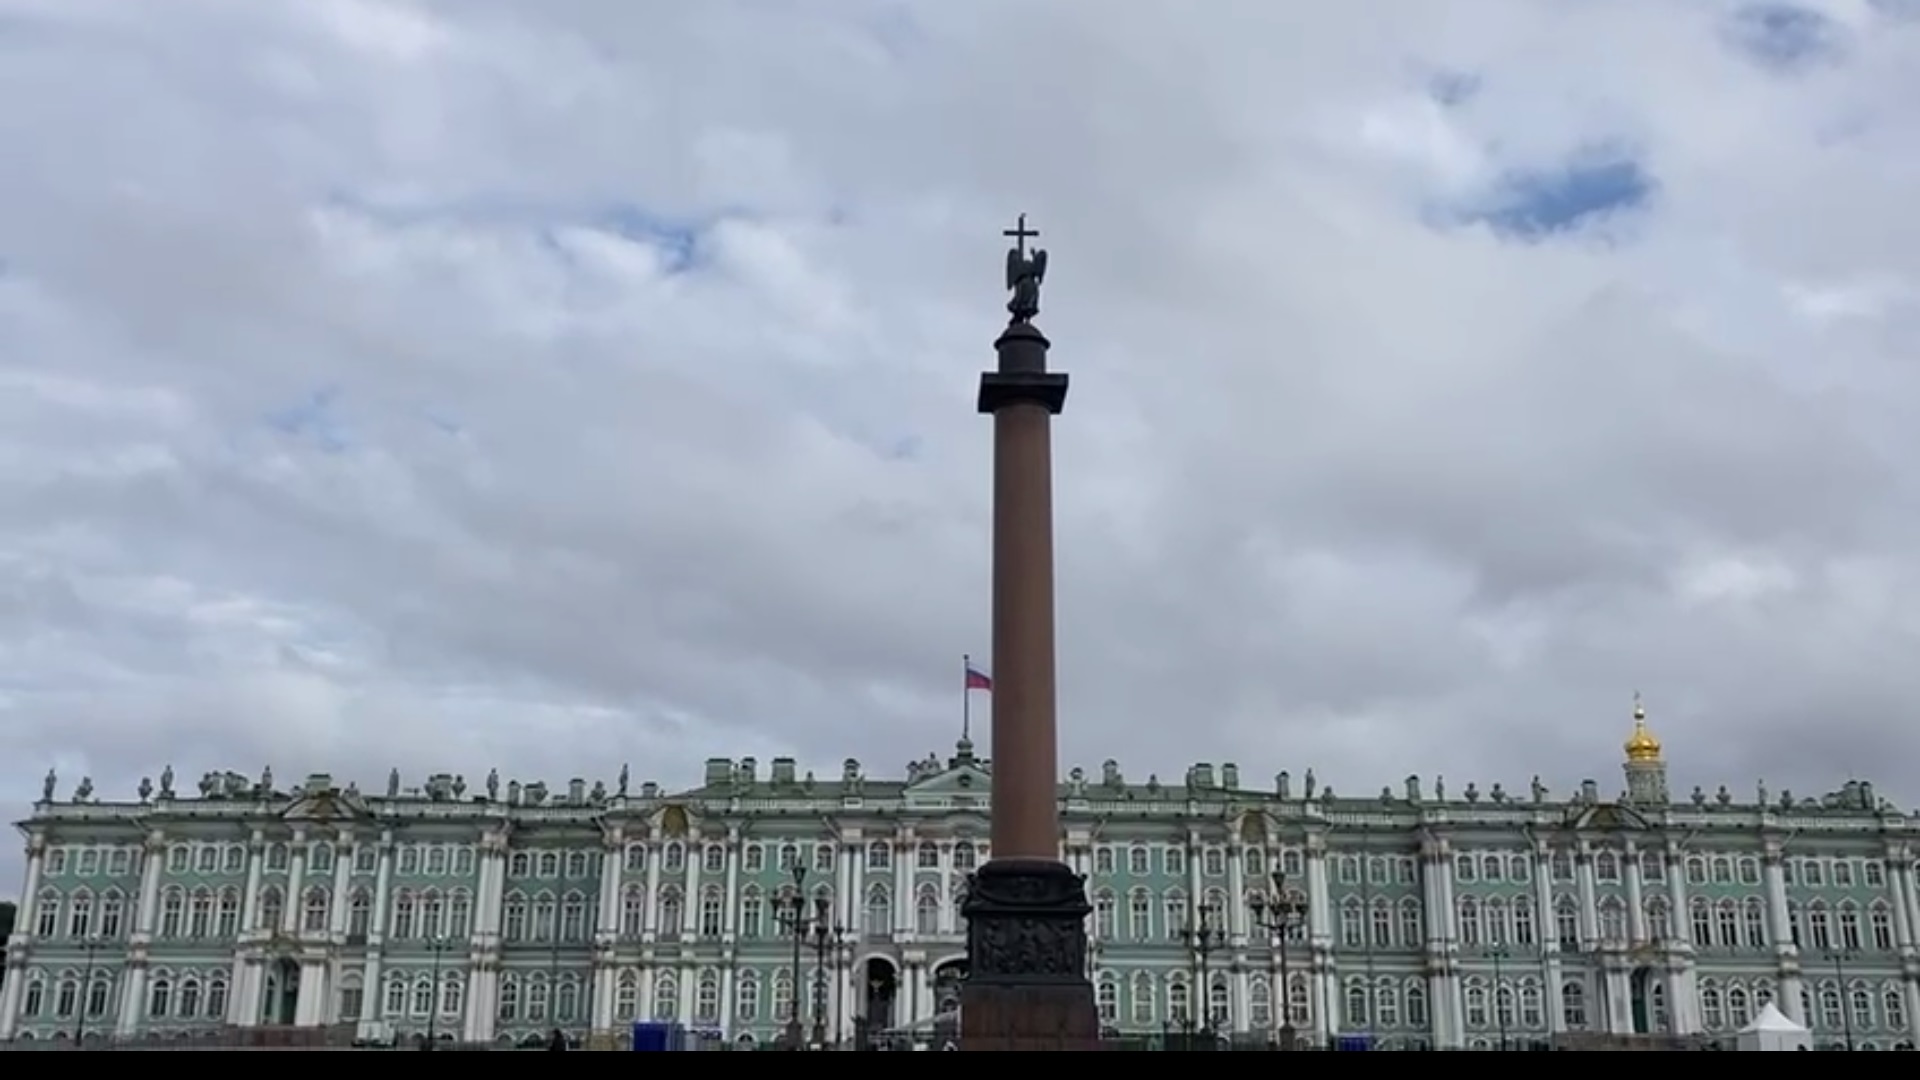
(1025, 271)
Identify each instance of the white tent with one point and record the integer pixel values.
(1772, 1030)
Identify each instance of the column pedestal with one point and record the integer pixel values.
(1027, 985)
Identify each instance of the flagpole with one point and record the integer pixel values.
(966, 697)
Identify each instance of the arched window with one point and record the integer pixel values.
(1179, 999)
(1755, 918)
(926, 911)
(672, 914)
(1141, 998)
(272, 908)
(1470, 930)
(879, 914)
(1659, 918)
(1219, 1003)
(113, 912)
(706, 998)
(666, 996)
(514, 923)
(173, 912)
(229, 919)
(1358, 1009)
(1259, 1002)
(1523, 923)
(1106, 998)
(1474, 995)
(879, 855)
(1386, 1003)
(509, 999)
(1739, 1007)
(100, 995)
(160, 997)
(1726, 924)
(746, 998)
(626, 995)
(1713, 1012)
(712, 915)
(459, 914)
(188, 1007)
(80, 914)
(404, 913)
(217, 996)
(1613, 919)
(633, 910)
(34, 998)
(1573, 1004)
(1105, 915)
(1566, 922)
(1416, 998)
(753, 913)
(313, 917)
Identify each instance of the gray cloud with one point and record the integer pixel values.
(446, 385)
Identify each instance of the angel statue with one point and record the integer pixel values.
(1025, 271)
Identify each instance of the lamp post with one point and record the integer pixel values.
(826, 935)
(91, 944)
(1279, 914)
(438, 944)
(1498, 954)
(1203, 939)
(791, 913)
(1840, 958)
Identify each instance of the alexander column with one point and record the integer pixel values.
(1027, 986)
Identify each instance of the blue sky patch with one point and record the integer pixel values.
(313, 418)
(1533, 204)
(1785, 37)
(678, 241)
(1452, 89)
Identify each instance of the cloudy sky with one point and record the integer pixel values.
(483, 382)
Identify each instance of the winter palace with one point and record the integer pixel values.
(1419, 916)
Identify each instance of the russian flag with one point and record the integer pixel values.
(978, 680)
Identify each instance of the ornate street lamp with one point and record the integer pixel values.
(1279, 914)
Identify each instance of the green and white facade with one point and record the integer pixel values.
(1440, 918)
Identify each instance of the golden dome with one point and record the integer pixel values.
(1642, 747)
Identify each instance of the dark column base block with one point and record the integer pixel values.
(1027, 986)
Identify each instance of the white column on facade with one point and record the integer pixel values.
(650, 916)
(256, 865)
(1236, 891)
(243, 995)
(1323, 987)
(1636, 914)
(607, 929)
(133, 999)
(690, 905)
(1774, 873)
(905, 856)
(27, 919)
(342, 882)
(610, 864)
(296, 882)
(1680, 920)
(856, 851)
(1448, 917)
(375, 1009)
(483, 978)
(15, 976)
(731, 915)
(152, 863)
(1549, 930)
(1897, 889)
(1589, 894)
(844, 892)
(945, 923)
